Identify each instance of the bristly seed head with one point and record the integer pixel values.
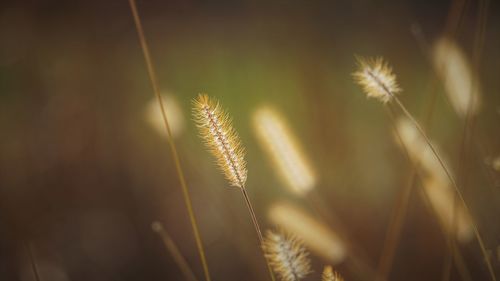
(330, 275)
(221, 139)
(376, 78)
(287, 256)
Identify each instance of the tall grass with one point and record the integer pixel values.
(217, 131)
(171, 142)
(378, 81)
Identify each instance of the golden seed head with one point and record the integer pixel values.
(221, 139)
(287, 256)
(376, 78)
(330, 275)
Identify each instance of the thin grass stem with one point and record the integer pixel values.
(452, 180)
(174, 251)
(173, 149)
(457, 257)
(257, 228)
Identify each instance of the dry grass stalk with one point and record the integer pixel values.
(436, 185)
(222, 140)
(287, 256)
(173, 148)
(174, 251)
(318, 237)
(377, 80)
(330, 275)
(420, 153)
(283, 148)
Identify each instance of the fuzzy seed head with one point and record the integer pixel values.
(330, 275)
(376, 78)
(221, 139)
(287, 256)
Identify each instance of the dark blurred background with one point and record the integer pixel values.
(83, 173)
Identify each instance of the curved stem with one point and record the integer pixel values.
(453, 249)
(174, 251)
(173, 149)
(453, 182)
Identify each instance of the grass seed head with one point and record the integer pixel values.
(376, 78)
(287, 256)
(216, 130)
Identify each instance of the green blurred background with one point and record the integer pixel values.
(83, 174)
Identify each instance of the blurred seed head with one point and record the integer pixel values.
(376, 78)
(221, 139)
(495, 163)
(460, 82)
(317, 236)
(287, 256)
(175, 116)
(284, 151)
(441, 197)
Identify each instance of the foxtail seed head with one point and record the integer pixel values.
(376, 78)
(287, 256)
(221, 139)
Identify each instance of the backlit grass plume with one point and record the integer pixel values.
(376, 78)
(221, 139)
(287, 256)
(408, 137)
(330, 275)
